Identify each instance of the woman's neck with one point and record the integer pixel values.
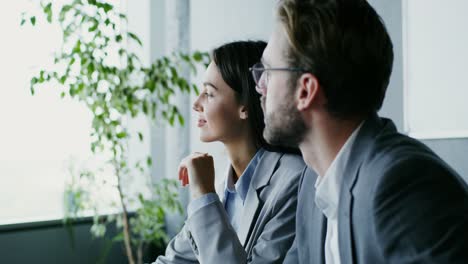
(240, 153)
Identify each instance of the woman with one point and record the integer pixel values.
(252, 219)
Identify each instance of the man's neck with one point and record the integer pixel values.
(324, 141)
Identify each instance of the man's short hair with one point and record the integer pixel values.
(345, 44)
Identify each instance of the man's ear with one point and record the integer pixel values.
(307, 91)
(243, 114)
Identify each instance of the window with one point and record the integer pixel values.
(42, 135)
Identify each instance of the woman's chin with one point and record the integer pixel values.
(206, 138)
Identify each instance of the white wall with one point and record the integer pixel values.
(215, 22)
(435, 84)
(453, 151)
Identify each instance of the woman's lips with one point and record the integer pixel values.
(201, 122)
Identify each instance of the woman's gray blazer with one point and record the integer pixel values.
(268, 223)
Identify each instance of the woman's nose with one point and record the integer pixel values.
(196, 105)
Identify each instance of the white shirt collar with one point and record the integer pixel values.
(328, 187)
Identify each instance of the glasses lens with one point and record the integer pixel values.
(257, 71)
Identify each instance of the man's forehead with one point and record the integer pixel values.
(275, 48)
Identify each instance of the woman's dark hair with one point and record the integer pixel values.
(233, 61)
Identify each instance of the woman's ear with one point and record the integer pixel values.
(307, 92)
(243, 114)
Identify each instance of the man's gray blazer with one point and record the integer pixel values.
(267, 229)
(399, 203)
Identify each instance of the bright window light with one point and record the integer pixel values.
(42, 135)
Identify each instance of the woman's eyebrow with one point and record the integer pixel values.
(210, 84)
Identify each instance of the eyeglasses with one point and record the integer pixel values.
(258, 69)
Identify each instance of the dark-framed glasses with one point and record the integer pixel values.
(258, 69)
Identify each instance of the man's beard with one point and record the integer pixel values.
(285, 126)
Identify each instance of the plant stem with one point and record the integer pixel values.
(140, 253)
(126, 227)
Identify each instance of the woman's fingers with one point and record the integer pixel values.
(183, 173)
(185, 177)
(180, 172)
(196, 165)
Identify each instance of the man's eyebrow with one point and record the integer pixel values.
(210, 84)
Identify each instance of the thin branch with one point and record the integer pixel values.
(126, 227)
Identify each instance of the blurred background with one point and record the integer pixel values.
(45, 139)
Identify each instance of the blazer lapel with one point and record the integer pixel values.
(319, 226)
(260, 178)
(359, 152)
(311, 223)
(250, 212)
(345, 236)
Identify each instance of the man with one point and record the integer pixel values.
(381, 197)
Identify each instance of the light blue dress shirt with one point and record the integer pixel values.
(234, 194)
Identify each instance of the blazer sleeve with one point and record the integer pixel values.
(420, 213)
(181, 249)
(217, 242)
(178, 251)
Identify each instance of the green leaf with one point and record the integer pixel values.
(107, 7)
(195, 88)
(197, 56)
(134, 37)
(171, 120)
(145, 107)
(41, 76)
(151, 85)
(149, 161)
(174, 72)
(93, 27)
(77, 48)
(48, 12)
(185, 57)
(121, 135)
(181, 120)
(90, 68)
(118, 38)
(33, 20)
(182, 83)
(140, 136)
(123, 16)
(23, 20)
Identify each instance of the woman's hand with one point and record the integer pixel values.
(197, 171)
